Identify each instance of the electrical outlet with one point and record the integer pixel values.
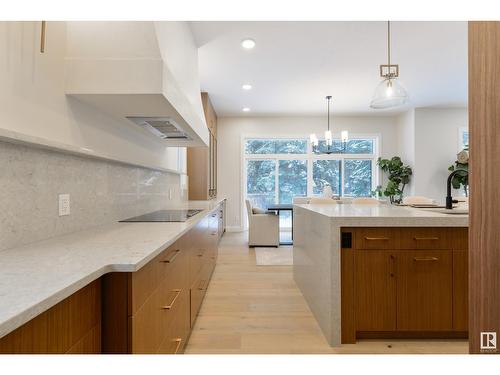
(64, 205)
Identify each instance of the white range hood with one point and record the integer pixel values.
(143, 72)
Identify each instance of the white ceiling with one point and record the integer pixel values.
(296, 64)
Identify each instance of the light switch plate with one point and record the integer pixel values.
(64, 207)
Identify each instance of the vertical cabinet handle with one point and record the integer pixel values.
(171, 304)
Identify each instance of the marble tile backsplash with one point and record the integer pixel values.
(101, 192)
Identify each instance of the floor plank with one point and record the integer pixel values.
(259, 309)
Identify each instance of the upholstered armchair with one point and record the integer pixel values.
(263, 228)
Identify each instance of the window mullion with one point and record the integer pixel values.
(342, 193)
(276, 180)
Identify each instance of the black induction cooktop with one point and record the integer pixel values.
(163, 216)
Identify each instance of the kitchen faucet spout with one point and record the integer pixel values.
(449, 199)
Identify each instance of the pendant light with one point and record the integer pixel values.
(389, 93)
(328, 135)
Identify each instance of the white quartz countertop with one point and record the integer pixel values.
(386, 215)
(37, 276)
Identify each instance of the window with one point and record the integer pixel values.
(358, 177)
(279, 169)
(275, 146)
(292, 180)
(326, 172)
(261, 182)
(352, 146)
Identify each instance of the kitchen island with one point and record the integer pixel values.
(353, 261)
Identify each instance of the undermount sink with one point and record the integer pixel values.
(454, 211)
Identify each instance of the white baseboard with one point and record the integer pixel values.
(234, 229)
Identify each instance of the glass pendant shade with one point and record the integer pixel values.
(389, 93)
(344, 136)
(314, 140)
(328, 137)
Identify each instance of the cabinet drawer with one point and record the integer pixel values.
(152, 321)
(198, 290)
(148, 278)
(429, 238)
(376, 238)
(178, 330)
(198, 257)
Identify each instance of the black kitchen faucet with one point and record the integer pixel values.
(449, 199)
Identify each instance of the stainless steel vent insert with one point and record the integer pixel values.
(162, 127)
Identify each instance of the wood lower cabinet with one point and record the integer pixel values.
(149, 311)
(164, 305)
(376, 301)
(460, 290)
(203, 259)
(404, 282)
(72, 326)
(153, 310)
(424, 290)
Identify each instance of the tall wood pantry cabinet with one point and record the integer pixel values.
(202, 161)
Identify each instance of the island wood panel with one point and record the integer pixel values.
(424, 290)
(375, 286)
(386, 294)
(71, 326)
(484, 141)
(460, 291)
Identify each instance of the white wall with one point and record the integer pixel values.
(436, 147)
(231, 130)
(33, 100)
(406, 143)
(428, 141)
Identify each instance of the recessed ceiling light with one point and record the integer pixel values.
(246, 86)
(248, 43)
(246, 109)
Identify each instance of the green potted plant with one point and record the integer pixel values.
(461, 180)
(398, 177)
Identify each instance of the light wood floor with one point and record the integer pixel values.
(259, 309)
